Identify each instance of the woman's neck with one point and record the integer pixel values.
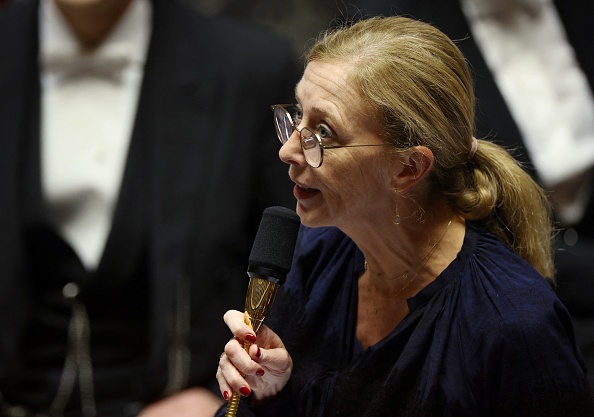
(400, 263)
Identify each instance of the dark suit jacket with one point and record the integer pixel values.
(205, 161)
(575, 274)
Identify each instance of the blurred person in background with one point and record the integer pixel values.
(137, 157)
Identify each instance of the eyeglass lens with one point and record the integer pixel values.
(283, 124)
(309, 142)
(311, 147)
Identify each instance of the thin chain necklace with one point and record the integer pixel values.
(419, 266)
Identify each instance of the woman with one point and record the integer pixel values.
(422, 280)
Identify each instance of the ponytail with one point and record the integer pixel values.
(497, 192)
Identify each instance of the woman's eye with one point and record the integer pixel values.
(297, 115)
(324, 132)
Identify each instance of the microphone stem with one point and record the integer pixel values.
(258, 302)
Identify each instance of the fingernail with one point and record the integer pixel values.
(245, 391)
(226, 395)
(260, 372)
(258, 353)
(250, 338)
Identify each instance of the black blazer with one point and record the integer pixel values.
(205, 159)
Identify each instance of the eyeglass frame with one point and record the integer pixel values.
(321, 145)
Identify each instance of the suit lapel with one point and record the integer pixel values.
(171, 117)
(19, 127)
(577, 20)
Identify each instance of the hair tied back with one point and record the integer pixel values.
(473, 148)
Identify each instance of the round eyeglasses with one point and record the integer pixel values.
(311, 143)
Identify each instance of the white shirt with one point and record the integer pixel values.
(87, 116)
(525, 46)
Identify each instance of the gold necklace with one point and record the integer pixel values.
(419, 266)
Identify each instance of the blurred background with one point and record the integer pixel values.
(298, 20)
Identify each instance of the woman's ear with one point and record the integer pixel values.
(416, 163)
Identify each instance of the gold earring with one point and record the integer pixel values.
(396, 219)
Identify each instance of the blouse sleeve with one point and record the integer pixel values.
(532, 366)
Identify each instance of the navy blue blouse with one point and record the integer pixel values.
(488, 337)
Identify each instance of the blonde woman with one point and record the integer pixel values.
(422, 278)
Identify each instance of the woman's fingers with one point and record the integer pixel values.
(274, 361)
(241, 360)
(235, 320)
(224, 387)
(230, 379)
(265, 368)
(235, 369)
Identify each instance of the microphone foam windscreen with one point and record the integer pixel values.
(275, 240)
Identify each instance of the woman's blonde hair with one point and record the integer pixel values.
(418, 86)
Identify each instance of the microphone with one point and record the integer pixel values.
(269, 262)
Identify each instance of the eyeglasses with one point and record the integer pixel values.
(311, 143)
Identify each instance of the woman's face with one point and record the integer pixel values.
(353, 184)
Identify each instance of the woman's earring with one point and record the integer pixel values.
(396, 219)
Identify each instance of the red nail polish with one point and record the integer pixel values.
(226, 395)
(260, 372)
(258, 353)
(245, 391)
(250, 338)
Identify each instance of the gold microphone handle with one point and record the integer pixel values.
(258, 301)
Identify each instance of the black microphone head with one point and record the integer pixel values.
(272, 251)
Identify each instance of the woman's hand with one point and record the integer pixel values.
(267, 366)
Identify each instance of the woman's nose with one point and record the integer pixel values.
(291, 152)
